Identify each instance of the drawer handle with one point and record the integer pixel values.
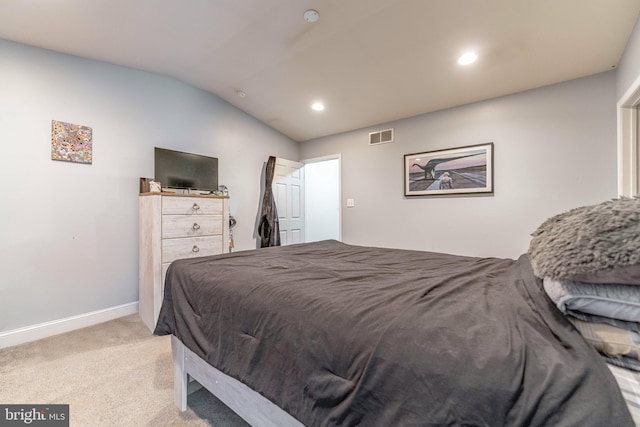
(195, 207)
(196, 226)
(195, 249)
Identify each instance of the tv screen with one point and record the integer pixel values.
(177, 169)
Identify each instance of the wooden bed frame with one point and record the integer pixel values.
(247, 403)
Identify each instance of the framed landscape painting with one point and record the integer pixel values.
(462, 170)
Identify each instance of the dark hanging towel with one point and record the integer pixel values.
(268, 227)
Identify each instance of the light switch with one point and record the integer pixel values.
(351, 203)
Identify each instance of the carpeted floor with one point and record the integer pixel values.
(112, 374)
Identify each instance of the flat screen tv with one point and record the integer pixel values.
(177, 169)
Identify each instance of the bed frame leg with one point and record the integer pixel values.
(180, 380)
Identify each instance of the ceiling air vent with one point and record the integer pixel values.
(381, 137)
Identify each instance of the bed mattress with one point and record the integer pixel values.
(336, 334)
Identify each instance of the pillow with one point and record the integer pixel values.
(593, 318)
(629, 275)
(609, 339)
(596, 244)
(623, 362)
(614, 301)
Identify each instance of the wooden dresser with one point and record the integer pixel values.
(174, 226)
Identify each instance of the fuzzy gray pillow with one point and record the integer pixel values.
(596, 244)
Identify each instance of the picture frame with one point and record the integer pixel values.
(71, 142)
(145, 185)
(461, 170)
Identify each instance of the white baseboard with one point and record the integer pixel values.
(55, 327)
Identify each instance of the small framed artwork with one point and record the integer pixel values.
(462, 170)
(71, 143)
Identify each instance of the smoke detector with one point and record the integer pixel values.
(311, 16)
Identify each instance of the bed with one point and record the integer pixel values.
(326, 333)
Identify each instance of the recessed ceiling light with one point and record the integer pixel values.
(318, 106)
(467, 58)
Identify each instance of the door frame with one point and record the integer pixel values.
(628, 141)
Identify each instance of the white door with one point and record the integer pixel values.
(288, 191)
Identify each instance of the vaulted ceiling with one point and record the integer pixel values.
(368, 61)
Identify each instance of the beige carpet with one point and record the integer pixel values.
(112, 374)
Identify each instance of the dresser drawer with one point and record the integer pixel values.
(191, 226)
(189, 247)
(191, 206)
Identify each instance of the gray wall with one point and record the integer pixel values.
(555, 149)
(69, 232)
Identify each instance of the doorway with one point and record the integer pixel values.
(322, 201)
(307, 196)
(629, 142)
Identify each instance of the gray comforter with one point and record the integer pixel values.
(345, 335)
